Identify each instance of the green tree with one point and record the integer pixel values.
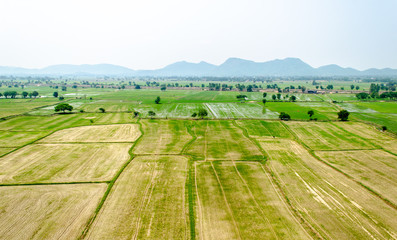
(292, 98)
(311, 113)
(264, 101)
(25, 94)
(136, 114)
(163, 88)
(357, 87)
(284, 116)
(194, 114)
(343, 115)
(278, 96)
(35, 94)
(151, 114)
(63, 107)
(352, 87)
(264, 95)
(102, 110)
(202, 113)
(274, 97)
(157, 101)
(362, 95)
(55, 94)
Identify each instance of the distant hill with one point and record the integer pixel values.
(231, 67)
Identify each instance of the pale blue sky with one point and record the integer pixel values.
(149, 34)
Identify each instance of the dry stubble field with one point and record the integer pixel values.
(185, 179)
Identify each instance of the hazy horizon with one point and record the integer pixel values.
(153, 34)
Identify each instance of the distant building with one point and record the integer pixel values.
(312, 91)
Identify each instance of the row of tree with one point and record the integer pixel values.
(14, 94)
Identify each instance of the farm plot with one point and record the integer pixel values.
(376, 169)
(163, 137)
(221, 140)
(108, 105)
(364, 130)
(239, 201)
(326, 136)
(390, 146)
(17, 139)
(103, 133)
(147, 202)
(295, 110)
(172, 110)
(63, 163)
(5, 150)
(47, 212)
(239, 110)
(334, 206)
(259, 128)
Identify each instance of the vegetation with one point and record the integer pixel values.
(284, 116)
(63, 107)
(343, 115)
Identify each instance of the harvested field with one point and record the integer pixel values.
(376, 169)
(326, 136)
(17, 139)
(163, 137)
(390, 145)
(239, 201)
(147, 202)
(63, 163)
(5, 150)
(363, 130)
(221, 140)
(47, 212)
(102, 133)
(332, 204)
(259, 128)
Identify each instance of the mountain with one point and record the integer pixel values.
(231, 67)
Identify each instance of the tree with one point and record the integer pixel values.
(384, 128)
(163, 88)
(278, 96)
(137, 87)
(136, 113)
(157, 101)
(241, 97)
(311, 113)
(284, 116)
(25, 94)
(303, 89)
(357, 87)
(1, 94)
(64, 88)
(151, 114)
(362, 95)
(35, 94)
(61, 98)
(264, 101)
(293, 98)
(194, 114)
(343, 115)
(274, 97)
(102, 110)
(55, 94)
(202, 113)
(352, 87)
(63, 107)
(264, 95)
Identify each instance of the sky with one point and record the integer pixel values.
(150, 34)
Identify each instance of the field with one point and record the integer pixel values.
(106, 133)
(239, 201)
(238, 173)
(148, 201)
(63, 163)
(47, 212)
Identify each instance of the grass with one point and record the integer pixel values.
(147, 201)
(221, 140)
(260, 128)
(17, 139)
(38, 163)
(238, 200)
(374, 168)
(335, 206)
(326, 136)
(104, 133)
(162, 137)
(47, 212)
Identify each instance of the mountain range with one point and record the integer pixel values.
(231, 67)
